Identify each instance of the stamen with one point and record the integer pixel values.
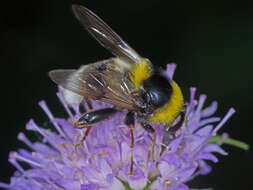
(192, 102)
(24, 139)
(76, 109)
(16, 156)
(31, 125)
(14, 162)
(224, 136)
(44, 106)
(4, 185)
(170, 70)
(223, 121)
(192, 94)
(210, 110)
(202, 99)
(209, 120)
(59, 95)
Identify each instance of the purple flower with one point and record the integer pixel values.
(103, 162)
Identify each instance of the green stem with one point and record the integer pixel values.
(230, 141)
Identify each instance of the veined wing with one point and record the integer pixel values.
(105, 35)
(106, 81)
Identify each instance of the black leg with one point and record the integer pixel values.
(173, 129)
(129, 121)
(171, 132)
(91, 117)
(94, 117)
(150, 129)
(88, 104)
(88, 128)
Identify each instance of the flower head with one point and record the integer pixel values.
(103, 162)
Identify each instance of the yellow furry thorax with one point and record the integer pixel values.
(168, 113)
(140, 72)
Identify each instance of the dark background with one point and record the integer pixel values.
(211, 42)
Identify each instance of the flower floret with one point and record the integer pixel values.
(103, 161)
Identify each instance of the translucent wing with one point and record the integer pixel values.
(104, 34)
(106, 81)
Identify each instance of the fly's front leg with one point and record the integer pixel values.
(89, 118)
(129, 121)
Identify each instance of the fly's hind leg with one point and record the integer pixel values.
(92, 117)
(129, 121)
(85, 135)
(96, 116)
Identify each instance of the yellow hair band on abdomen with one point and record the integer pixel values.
(170, 110)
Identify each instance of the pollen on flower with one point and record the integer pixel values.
(103, 161)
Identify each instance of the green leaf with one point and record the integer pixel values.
(230, 141)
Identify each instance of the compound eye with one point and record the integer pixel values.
(156, 97)
(157, 91)
(146, 97)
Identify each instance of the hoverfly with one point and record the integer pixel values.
(127, 81)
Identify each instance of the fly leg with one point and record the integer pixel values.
(96, 116)
(150, 129)
(175, 128)
(88, 128)
(129, 121)
(89, 109)
(91, 117)
(171, 132)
